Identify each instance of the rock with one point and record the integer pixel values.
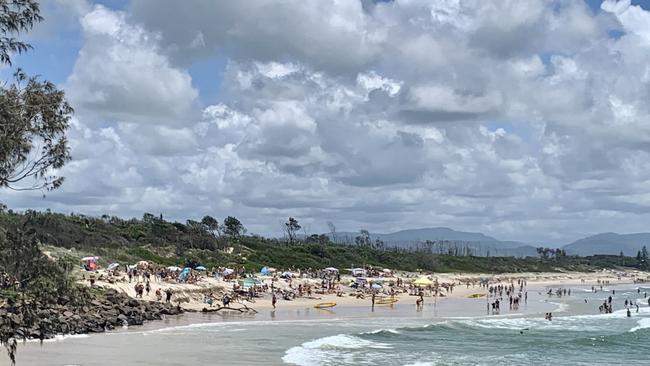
(68, 313)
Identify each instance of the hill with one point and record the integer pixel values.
(445, 239)
(609, 243)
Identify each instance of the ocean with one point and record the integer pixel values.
(449, 332)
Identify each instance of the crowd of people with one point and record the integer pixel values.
(514, 293)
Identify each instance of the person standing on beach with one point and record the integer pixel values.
(274, 300)
(168, 295)
(373, 300)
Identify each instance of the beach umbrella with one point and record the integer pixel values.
(228, 271)
(265, 270)
(423, 281)
(112, 266)
(90, 258)
(143, 264)
(200, 268)
(174, 268)
(331, 269)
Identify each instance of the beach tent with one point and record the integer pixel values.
(286, 274)
(249, 282)
(265, 271)
(331, 269)
(200, 268)
(174, 268)
(358, 272)
(91, 262)
(143, 264)
(113, 266)
(376, 286)
(184, 274)
(423, 281)
(228, 271)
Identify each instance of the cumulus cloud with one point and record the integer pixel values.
(120, 71)
(523, 119)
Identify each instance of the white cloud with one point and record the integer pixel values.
(519, 118)
(121, 72)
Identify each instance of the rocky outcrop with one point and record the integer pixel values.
(103, 312)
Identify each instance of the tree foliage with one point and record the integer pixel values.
(291, 227)
(34, 114)
(233, 227)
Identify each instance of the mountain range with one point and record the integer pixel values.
(446, 239)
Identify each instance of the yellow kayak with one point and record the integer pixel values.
(385, 301)
(325, 305)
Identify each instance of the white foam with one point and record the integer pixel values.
(222, 324)
(642, 324)
(317, 351)
(420, 364)
(561, 307)
(61, 337)
(389, 330)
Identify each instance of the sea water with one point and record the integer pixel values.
(447, 332)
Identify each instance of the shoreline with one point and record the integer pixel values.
(198, 336)
(302, 309)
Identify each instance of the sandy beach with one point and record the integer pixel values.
(192, 296)
(352, 333)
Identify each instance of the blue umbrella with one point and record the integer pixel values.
(200, 268)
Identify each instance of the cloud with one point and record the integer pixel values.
(522, 119)
(120, 71)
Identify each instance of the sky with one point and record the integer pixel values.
(525, 120)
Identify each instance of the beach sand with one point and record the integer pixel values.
(192, 296)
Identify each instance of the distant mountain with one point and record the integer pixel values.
(446, 239)
(609, 243)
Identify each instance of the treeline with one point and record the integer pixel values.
(213, 243)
